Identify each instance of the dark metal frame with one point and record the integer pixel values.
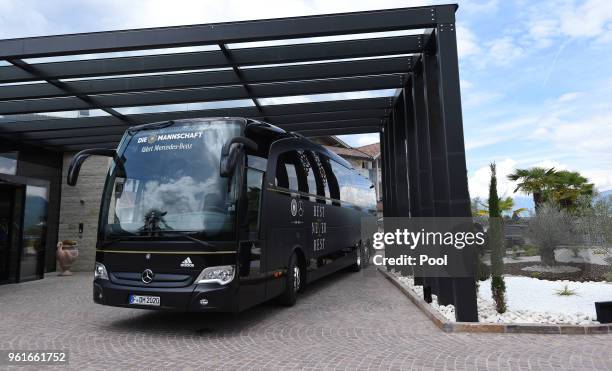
(421, 130)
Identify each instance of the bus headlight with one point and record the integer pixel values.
(222, 275)
(100, 272)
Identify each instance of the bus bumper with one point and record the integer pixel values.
(183, 299)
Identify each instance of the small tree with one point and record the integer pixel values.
(595, 223)
(548, 228)
(496, 243)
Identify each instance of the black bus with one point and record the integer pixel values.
(221, 214)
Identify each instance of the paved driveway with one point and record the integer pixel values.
(347, 321)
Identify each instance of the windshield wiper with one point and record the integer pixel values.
(197, 240)
(151, 126)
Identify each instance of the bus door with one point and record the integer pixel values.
(251, 267)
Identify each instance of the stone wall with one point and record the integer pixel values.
(81, 204)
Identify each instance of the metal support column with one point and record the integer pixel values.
(400, 157)
(390, 168)
(412, 149)
(464, 289)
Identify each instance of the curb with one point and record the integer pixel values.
(501, 328)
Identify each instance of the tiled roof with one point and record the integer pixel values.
(349, 152)
(371, 149)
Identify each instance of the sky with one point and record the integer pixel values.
(535, 75)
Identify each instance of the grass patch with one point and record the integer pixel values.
(566, 291)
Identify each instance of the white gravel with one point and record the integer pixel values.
(530, 300)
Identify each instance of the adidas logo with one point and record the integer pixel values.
(187, 263)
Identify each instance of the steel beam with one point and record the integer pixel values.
(336, 124)
(210, 78)
(281, 113)
(90, 132)
(228, 32)
(340, 131)
(206, 94)
(384, 46)
(60, 85)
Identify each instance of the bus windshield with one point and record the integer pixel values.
(167, 181)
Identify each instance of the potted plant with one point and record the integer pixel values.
(67, 252)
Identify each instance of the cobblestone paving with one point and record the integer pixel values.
(349, 321)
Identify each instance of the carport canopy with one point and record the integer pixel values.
(316, 75)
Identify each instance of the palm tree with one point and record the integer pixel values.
(560, 186)
(568, 186)
(505, 205)
(536, 181)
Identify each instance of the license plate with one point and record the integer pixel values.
(144, 300)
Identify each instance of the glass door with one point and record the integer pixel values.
(7, 200)
(34, 232)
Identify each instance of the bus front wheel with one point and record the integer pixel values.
(293, 282)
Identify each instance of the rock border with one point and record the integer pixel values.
(502, 328)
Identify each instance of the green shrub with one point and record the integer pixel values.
(608, 277)
(600, 251)
(531, 250)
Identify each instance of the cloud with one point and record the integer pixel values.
(467, 43)
(590, 19)
(358, 140)
(590, 136)
(15, 22)
(568, 97)
(479, 181)
(504, 51)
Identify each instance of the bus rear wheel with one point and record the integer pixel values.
(293, 283)
(359, 254)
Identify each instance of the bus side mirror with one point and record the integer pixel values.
(79, 158)
(229, 154)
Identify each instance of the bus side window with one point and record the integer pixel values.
(282, 178)
(346, 185)
(253, 193)
(332, 180)
(289, 163)
(318, 175)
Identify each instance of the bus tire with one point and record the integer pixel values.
(356, 267)
(293, 283)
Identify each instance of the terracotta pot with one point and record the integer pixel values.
(67, 252)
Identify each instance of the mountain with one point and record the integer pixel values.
(603, 195)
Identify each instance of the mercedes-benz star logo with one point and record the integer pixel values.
(147, 276)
